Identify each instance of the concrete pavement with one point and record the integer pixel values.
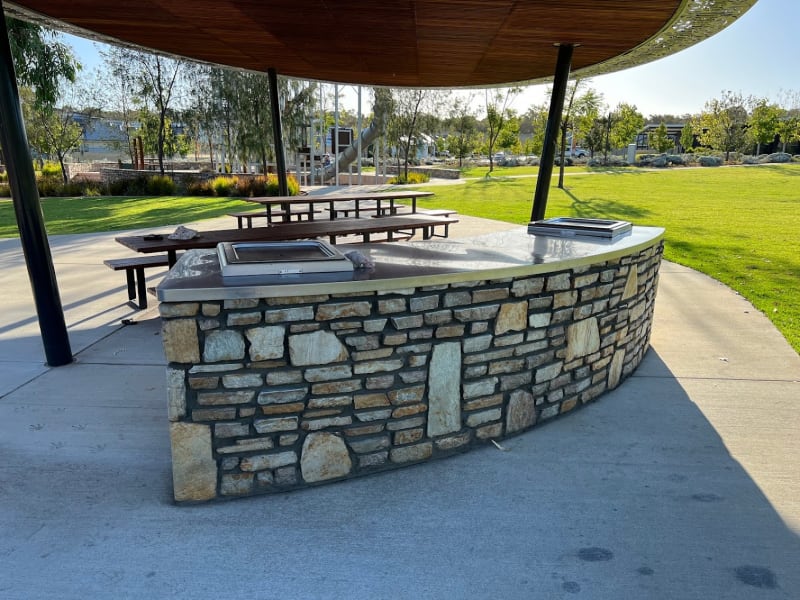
(682, 483)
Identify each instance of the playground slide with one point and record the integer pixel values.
(347, 156)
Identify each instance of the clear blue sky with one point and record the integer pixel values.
(756, 55)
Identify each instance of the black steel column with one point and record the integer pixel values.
(551, 131)
(277, 132)
(33, 237)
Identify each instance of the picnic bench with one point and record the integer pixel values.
(367, 229)
(248, 216)
(134, 267)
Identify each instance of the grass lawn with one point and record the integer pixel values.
(739, 225)
(102, 213)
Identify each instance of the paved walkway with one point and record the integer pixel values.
(682, 483)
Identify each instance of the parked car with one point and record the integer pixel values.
(579, 153)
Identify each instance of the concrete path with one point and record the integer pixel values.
(683, 483)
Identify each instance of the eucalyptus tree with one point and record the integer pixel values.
(660, 140)
(119, 94)
(41, 60)
(154, 80)
(763, 122)
(409, 111)
(722, 124)
(497, 103)
(463, 127)
(627, 122)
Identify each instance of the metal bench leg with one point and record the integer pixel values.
(142, 290)
(131, 284)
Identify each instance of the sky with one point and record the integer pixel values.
(756, 55)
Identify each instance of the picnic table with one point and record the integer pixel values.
(366, 228)
(351, 200)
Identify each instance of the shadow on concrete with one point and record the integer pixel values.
(633, 496)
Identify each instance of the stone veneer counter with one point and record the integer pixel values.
(441, 346)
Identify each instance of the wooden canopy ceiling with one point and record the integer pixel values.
(405, 43)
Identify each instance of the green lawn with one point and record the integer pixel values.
(739, 225)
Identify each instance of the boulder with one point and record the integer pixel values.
(777, 157)
(709, 161)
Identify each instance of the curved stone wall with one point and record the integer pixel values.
(270, 394)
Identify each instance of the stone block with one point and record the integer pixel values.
(563, 299)
(242, 380)
(450, 331)
(444, 386)
(408, 410)
(316, 348)
(223, 345)
(476, 344)
(367, 416)
(454, 441)
(239, 319)
(558, 282)
(631, 285)
(341, 310)
(488, 432)
(405, 423)
(527, 287)
(422, 303)
(222, 398)
(236, 484)
(548, 372)
(285, 315)
(266, 342)
(194, 470)
(284, 377)
(413, 376)
(515, 381)
(513, 339)
(373, 460)
(364, 342)
(409, 395)
(586, 280)
(377, 366)
(335, 387)
(375, 325)
(583, 337)
(407, 322)
(282, 396)
(383, 382)
(521, 411)
(486, 416)
(211, 309)
(370, 444)
(178, 309)
(276, 425)
(250, 445)
(483, 387)
(239, 303)
(480, 313)
(615, 371)
(179, 337)
(411, 453)
(512, 316)
(457, 299)
(329, 373)
(362, 401)
(391, 305)
(229, 430)
(317, 424)
(213, 414)
(359, 430)
(408, 436)
(438, 317)
(176, 394)
(324, 457)
(261, 462)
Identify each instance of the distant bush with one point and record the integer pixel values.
(410, 179)
(709, 161)
(271, 187)
(129, 187)
(160, 185)
(196, 187)
(51, 170)
(5, 190)
(222, 186)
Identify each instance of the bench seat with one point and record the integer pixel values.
(134, 267)
(248, 216)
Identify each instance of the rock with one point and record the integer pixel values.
(777, 157)
(709, 161)
(325, 456)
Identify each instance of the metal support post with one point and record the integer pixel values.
(33, 237)
(551, 131)
(277, 132)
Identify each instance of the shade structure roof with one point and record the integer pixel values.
(402, 43)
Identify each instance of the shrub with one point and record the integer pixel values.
(271, 187)
(412, 178)
(51, 170)
(5, 190)
(195, 187)
(129, 187)
(243, 187)
(161, 185)
(709, 161)
(222, 186)
(3, 176)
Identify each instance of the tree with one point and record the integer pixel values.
(687, 136)
(626, 123)
(722, 125)
(41, 60)
(464, 127)
(497, 115)
(594, 138)
(660, 140)
(764, 118)
(788, 129)
(537, 116)
(155, 79)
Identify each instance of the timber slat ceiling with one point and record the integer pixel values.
(416, 43)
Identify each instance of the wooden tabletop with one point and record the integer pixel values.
(341, 197)
(282, 232)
